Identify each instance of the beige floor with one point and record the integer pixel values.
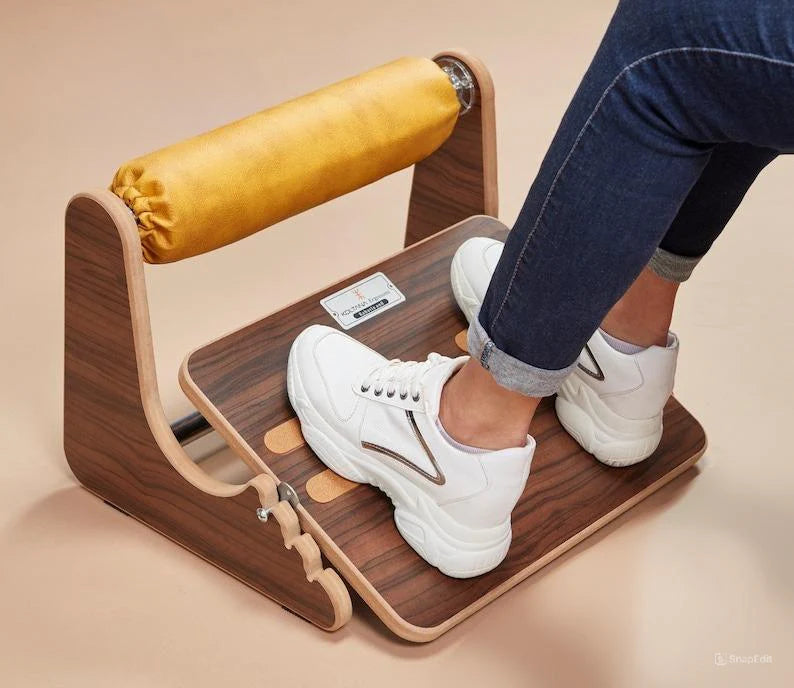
(89, 597)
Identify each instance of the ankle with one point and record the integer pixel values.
(478, 412)
(637, 331)
(643, 314)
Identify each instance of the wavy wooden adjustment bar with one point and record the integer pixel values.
(238, 383)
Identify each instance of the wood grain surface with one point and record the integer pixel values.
(239, 382)
(119, 445)
(460, 179)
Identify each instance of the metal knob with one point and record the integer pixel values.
(461, 79)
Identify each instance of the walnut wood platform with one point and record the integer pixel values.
(238, 382)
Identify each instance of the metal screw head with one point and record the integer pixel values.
(262, 514)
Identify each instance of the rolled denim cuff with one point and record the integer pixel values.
(671, 266)
(511, 373)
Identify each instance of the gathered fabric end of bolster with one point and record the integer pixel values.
(151, 210)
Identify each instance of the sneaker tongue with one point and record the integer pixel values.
(434, 379)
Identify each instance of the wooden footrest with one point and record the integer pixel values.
(239, 383)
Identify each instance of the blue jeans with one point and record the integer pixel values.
(683, 105)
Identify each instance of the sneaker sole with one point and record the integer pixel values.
(612, 439)
(456, 550)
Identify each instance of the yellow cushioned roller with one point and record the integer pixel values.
(221, 186)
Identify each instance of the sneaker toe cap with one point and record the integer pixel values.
(329, 364)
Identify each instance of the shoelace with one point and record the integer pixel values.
(402, 375)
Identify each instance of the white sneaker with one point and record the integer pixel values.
(472, 266)
(612, 402)
(376, 421)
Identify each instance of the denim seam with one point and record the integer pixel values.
(623, 72)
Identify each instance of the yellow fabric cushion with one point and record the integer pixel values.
(216, 188)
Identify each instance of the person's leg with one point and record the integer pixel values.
(731, 170)
(479, 412)
(670, 82)
(643, 314)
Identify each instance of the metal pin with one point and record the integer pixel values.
(286, 493)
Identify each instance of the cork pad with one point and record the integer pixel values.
(327, 486)
(285, 437)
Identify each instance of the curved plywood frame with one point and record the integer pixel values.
(460, 179)
(120, 445)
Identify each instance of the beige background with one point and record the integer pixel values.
(90, 597)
